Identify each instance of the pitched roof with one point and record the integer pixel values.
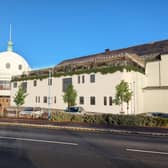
(145, 50)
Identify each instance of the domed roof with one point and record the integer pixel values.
(12, 63)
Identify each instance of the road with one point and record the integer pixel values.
(45, 148)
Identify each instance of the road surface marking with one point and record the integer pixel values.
(146, 151)
(38, 140)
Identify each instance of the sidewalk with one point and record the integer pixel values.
(84, 127)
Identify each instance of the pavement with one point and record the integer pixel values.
(151, 131)
(28, 147)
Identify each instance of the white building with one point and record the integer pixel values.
(96, 91)
(156, 90)
(95, 78)
(11, 64)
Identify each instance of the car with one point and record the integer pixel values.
(75, 109)
(31, 112)
(164, 115)
(37, 113)
(26, 112)
(157, 114)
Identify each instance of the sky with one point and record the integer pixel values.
(46, 32)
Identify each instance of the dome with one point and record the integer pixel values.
(12, 63)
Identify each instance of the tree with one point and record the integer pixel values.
(70, 96)
(19, 98)
(127, 98)
(122, 95)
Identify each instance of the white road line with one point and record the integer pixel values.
(38, 140)
(146, 151)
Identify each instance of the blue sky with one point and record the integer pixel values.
(46, 32)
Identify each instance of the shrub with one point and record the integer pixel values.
(77, 118)
(94, 119)
(61, 117)
(111, 119)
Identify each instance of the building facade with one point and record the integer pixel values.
(11, 64)
(95, 78)
(95, 86)
(156, 90)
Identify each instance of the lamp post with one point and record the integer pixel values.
(49, 93)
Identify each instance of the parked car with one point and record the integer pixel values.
(157, 114)
(31, 112)
(37, 113)
(75, 109)
(164, 115)
(26, 112)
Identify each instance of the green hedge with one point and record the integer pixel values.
(110, 119)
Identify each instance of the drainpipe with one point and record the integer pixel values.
(159, 75)
(134, 95)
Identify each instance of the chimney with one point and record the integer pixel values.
(107, 50)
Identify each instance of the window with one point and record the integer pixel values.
(50, 81)
(45, 99)
(24, 86)
(66, 83)
(110, 101)
(8, 65)
(20, 67)
(78, 79)
(83, 79)
(38, 99)
(55, 99)
(105, 100)
(15, 85)
(92, 100)
(81, 100)
(92, 78)
(4, 85)
(34, 83)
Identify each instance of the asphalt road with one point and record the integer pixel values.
(45, 148)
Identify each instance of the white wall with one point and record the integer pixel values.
(164, 70)
(152, 73)
(156, 93)
(104, 86)
(156, 100)
(137, 82)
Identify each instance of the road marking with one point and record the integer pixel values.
(38, 140)
(146, 151)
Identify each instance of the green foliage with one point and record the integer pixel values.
(20, 97)
(24, 77)
(111, 119)
(102, 70)
(77, 118)
(66, 117)
(61, 117)
(70, 96)
(122, 94)
(94, 119)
